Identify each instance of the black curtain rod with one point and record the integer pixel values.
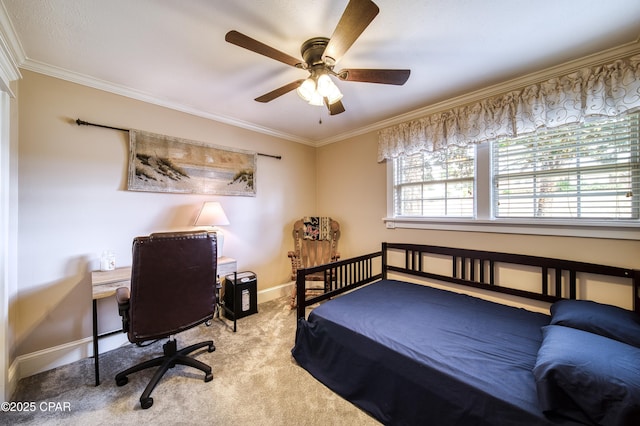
(86, 123)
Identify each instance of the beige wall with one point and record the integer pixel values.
(352, 188)
(73, 203)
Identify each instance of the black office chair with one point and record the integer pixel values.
(173, 279)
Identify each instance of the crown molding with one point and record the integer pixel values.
(128, 92)
(11, 53)
(606, 56)
(12, 58)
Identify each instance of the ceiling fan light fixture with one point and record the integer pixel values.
(307, 89)
(334, 95)
(328, 89)
(325, 85)
(317, 88)
(316, 99)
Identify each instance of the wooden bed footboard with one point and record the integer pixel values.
(558, 278)
(339, 277)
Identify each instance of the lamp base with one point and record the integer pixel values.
(220, 240)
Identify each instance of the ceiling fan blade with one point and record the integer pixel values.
(268, 97)
(397, 77)
(239, 39)
(335, 108)
(356, 17)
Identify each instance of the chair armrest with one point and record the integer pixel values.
(123, 295)
(296, 263)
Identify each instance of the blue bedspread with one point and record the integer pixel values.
(412, 354)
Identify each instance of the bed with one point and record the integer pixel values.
(409, 353)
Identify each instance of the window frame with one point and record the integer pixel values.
(447, 201)
(484, 221)
(576, 192)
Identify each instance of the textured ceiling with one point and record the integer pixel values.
(173, 53)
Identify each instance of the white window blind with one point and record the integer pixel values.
(584, 171)
(435, 184)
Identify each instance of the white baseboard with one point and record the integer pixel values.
(12, 379)
(47, 359)
(276, 292)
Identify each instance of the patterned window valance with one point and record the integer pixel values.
(604, 90)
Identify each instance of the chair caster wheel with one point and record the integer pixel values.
(212, 348)
(146, 402)
(121, 381)
(208, 323)
(208, 377)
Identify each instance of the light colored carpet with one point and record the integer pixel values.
(255, 382)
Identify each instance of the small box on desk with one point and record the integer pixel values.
(240, 295)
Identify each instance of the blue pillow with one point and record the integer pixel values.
(605, 320)
(587, 377)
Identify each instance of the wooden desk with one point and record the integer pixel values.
(105, 283)
(226, 265)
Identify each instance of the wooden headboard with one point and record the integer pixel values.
(478, 269)
(558, 278)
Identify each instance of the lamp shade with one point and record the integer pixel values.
(211, 214)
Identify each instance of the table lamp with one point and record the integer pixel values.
(213, 215)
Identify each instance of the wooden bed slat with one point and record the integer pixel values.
(353, 273)
(545, 280)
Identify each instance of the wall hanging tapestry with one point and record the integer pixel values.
(159, 163)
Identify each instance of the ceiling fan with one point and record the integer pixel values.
(320, 55)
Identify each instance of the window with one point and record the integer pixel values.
(436, 184)
(576, 175)
(582, 171)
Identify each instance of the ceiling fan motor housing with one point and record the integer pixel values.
(312, 51)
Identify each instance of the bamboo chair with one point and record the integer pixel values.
(315, 241)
